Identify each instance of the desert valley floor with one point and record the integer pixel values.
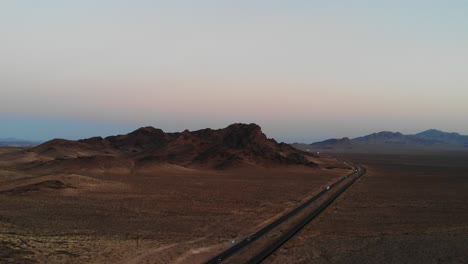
(406, 209)
(168, 215)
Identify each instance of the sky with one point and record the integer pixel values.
(303, 70)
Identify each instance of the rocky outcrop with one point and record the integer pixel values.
(235, 145)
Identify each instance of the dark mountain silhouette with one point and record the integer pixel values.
(235, 145)
(393, 141)
(384, 135)
(448, 138)
(387, 137)
(343, 142)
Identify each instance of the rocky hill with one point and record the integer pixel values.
(235, 145)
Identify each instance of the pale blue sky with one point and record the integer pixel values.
(303, 70)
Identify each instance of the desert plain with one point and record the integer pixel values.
(408, 208)
(153, 197)
(163, 214)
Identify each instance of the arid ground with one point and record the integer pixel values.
(168, 214)
(406, 209)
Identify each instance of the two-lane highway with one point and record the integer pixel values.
(290, 233)
(358, 172)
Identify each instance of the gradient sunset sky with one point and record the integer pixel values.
(303, 70)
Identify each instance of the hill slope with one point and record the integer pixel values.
(235, 145)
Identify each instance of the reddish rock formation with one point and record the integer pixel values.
(235, 145)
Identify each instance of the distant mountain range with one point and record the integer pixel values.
(385, 141)
(14, 142)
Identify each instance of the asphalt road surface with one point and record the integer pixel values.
(359, 171)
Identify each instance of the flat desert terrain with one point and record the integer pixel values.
(406, 209)
(168, 214)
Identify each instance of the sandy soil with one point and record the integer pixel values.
(406, 209)
(167, 215)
